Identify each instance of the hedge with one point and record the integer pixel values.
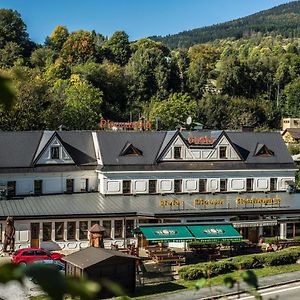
(252, 261)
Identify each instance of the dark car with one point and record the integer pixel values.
(28, 255)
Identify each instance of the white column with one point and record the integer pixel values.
(282, 233)
(65, 237)
(260, 230)
(53, 231)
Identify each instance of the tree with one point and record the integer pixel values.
(174, 110)
(292, 96)
(233, 77)
(111, 80)
(31, 101)
(79, 48)
(214, 111)
(10, 53)
(57, 38)
(148, 72)
(82, 107)
(117, 48)
(12, 28)
(13, 31)
(42, 57)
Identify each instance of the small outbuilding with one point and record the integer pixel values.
(97, 264)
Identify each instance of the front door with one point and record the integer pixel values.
(35, 235)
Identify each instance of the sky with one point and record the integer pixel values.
(138, 18)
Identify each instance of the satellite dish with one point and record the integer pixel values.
(189, 120)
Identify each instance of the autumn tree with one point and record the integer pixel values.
(58, 37)
(79, 48)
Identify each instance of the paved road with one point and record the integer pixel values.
(206, 293)
(288, 291)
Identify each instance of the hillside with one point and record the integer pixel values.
(283, 19)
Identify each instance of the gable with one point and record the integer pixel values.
(263, 150)
(200, 148)
(130, 150)
(54, 152)
(177, 150)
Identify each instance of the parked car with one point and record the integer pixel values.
(50, 263)
(28, 255)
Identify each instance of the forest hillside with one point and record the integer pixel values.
(281, 20)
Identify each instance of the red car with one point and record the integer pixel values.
(28, 255)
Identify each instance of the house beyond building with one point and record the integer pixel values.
(56, 185)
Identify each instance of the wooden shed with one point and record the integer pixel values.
(97, 264)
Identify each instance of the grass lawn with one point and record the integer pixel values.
(174, 286)
(143, 292)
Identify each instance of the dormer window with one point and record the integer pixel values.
(177, 153)
(263, 150)
(55, 152)
(130, 150)
(222, 152)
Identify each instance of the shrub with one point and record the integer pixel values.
(251, 261)
(220, 267)
(191, 273)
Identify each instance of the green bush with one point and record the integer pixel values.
(283, 257)
(191, 273)
(251, 261)
(220, 267)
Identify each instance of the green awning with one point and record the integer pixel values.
(166, 233)
(214, 232)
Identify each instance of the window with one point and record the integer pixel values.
(249, 184)
(11, 189)
(222, 152)
(177, 152)
(70, 185)
(83, 230)
(95, 222)
(38, 187)
(47, 230)
(41, 253)
(28, 253)
(118, 228)
(35, 231)
(273, 184)
(107, 226)
(59, 231)
(126, 186)
(129, 228)
(71, 230)
(152, 186)
(55, 152)
(84, 185)
(202, 185)
(223, 185)
(177, 185)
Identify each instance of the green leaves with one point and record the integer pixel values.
(229, 282)
(250, 278)
(81, 287)
(7, 92)
(49, 279)
(200, 283)
(52, 281)
(10, 272)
